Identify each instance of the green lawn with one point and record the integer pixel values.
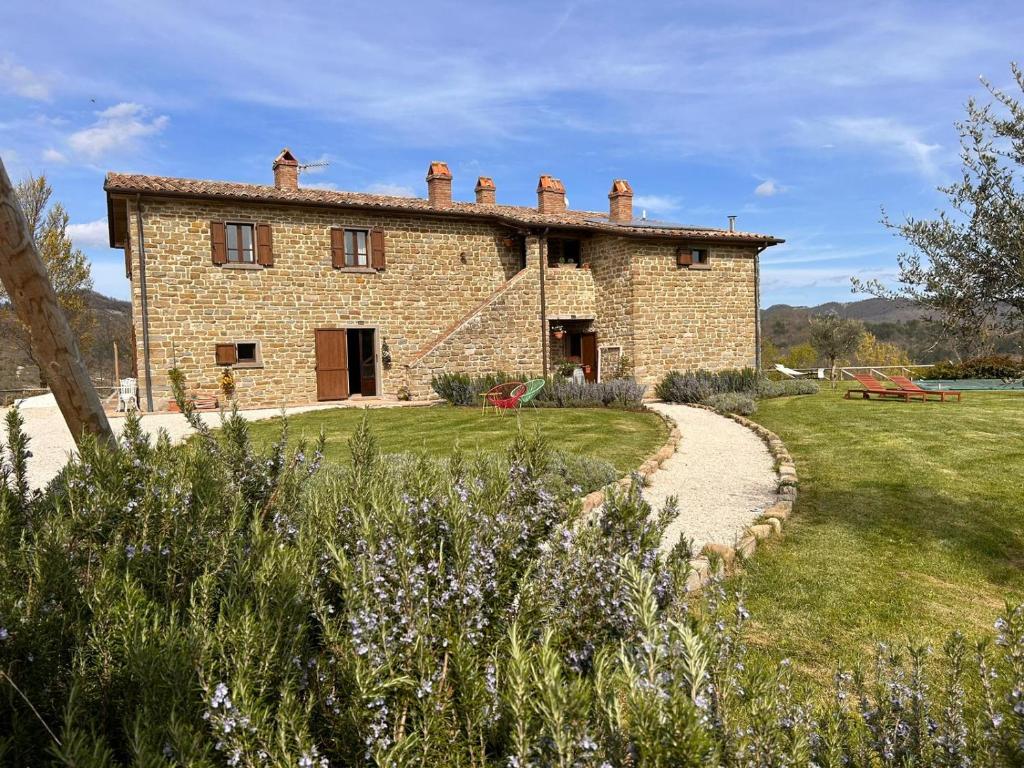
(623, 438)
(909, 524)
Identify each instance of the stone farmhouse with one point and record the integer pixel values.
(310, 294)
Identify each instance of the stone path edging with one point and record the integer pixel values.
(724, 557)
(719, 559)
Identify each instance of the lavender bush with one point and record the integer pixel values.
(558, 391)
(213, 604)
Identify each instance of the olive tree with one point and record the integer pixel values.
(833, 338)
(966, 265)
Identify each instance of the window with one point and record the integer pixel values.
(245, 351)
(355, 247)
(240, 243)
(241, 354)
(692, 257)
(564, 252)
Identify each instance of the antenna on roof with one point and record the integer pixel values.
(318, 164)
(643, 214)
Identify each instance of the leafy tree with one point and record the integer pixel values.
(66, 265)
(834, 338)
(967, 265)
(801, 356)
(872, 351)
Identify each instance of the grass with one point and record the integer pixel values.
(908, 525)
(624, 438)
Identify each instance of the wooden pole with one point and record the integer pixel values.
(53, 344)
(117, 369)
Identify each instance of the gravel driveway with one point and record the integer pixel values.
(722, 474)
(51, 444)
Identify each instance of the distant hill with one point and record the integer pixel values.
(899, 322)
(113, 319)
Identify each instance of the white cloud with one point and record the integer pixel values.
(768, 188)
(391, 190)
(661, 204)
(119, 127)
(891, 135)
(92, 234)
(22, 81)
(51, 155)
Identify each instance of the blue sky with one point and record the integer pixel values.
(802, 118)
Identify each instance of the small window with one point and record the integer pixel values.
(699, 256)
(356, 247)
(246, 352)
(240, 243)
(241, 354)
(564, 252)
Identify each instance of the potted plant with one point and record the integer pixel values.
(586, 369)
(558, 331)
(566, 369)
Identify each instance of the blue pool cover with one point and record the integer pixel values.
(996, 385)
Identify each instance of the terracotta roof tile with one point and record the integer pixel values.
(514, 215)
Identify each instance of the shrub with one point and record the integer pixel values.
(558, 392)
(732, 402)
(988, 367)
(697, 386)
(767, 388)
(211, 604)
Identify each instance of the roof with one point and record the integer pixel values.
(117, 184)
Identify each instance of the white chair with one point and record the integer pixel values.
(128, 395)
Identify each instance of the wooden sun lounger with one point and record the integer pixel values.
(874, 387)
(906, 384)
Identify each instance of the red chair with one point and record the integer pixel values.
(504, 396)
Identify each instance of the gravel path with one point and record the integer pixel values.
(51, 444)
(722, 474)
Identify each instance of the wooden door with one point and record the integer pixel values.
(331, 365)
(588, 355)
(367, 364)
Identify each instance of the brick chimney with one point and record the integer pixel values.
(550, 195)
(286, 170)
(620, 201)
(486, 191)
(439, 184)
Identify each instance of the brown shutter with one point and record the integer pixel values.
(218, 242)
(683, 257)
(264, 246)
(337, 247)
(226, 354)
(377, 248)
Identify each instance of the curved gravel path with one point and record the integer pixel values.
(722, 474)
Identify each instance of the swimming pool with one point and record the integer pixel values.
(964, 385)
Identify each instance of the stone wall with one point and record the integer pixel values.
(437, 270)
(451, 297)
(685, 318)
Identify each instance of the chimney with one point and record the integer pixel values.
(620, 201)
(439, 184)
(286, 170)
(732, 223)
(550, 195)
(485, 191)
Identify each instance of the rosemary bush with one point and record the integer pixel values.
(216, 604)
(703, 386)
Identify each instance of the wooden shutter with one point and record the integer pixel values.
(218, 242)
(337, 247)
(226, 354)
(377, 248)
(331, 364)
(264, 246)
(684, 257)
